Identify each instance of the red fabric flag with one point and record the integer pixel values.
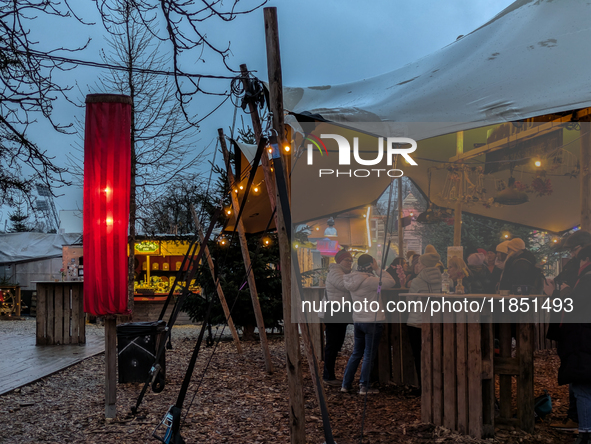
(107, 176)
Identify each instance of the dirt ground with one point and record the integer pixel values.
(237, 402)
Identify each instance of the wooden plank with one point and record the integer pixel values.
(58, 315)
(488, 383)
(506, 366)
(504, 380)
(462, 381)
(110, 367)
(81, 317)
(396, 353)
(384, 359)
(474, 373)
(427, 370)
(449, 372)
(40, 319)
(409, 373)
(525, 380)
(50, 315)
(75, 322)
(437, 371)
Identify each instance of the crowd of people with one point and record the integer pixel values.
(509, 266)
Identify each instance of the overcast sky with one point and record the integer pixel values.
(322, 42)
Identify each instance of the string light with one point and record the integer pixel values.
(241, 187)
(228, 211)
(538, 163)
(287, 148)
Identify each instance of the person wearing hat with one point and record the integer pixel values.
(561, 287)
(502, 253)
(480, 278)
(368, 318)
(397, 270)
(428, 280)
(574, 342)
(520, 268)
(495, 272)
(335, 326)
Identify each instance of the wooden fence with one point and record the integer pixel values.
(60, 313)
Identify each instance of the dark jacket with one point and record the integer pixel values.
(574, 344)
(392, 272)
(480, 280)
(520, 269)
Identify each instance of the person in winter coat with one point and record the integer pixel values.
(397, 270)
(368, 318)
(569, 276)
(495, 272)
(480, 277)
(335, 326)
(457, 269)
(520, 268)
(428, 280)
(574, 345)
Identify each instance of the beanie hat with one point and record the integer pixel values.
(516, 244)
(476, 259)
(481, 250)
(430, 258)
(364, 260)
(341, 255)
(503, 248)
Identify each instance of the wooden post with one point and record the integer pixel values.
(292, 344)
(258, 132)
(458, 209)
(216, 282)
(258, 314)
(400, 216)
(110, 367)
(585, 159)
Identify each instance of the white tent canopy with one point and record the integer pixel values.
(530, 60)
(20, 247)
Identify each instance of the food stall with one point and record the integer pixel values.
(157, 263)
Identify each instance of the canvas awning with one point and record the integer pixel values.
(530, 60)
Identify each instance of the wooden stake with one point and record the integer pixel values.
(294, 371)
(400, 216)
(110, 367)
(258, 314)
(458, 209)
(585, 175)
(216, 282)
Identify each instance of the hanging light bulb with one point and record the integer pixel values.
(241, 187)
(287, 148)
(228, 211)
(538, 163)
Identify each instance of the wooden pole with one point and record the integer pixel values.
(258, 132)
(293, 358)
(258, 314)
(458, 209)
(216, 282)
(400, 216)
(110, 367)
(585, 175)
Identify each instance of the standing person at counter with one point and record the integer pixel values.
(520, 268)
(397, 270)
(480, 280)
(428, 280)
(574, 345)
(335, 326)
(368, 325)
(495, 272)
(412, 268)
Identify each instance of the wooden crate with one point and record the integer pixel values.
(60, 313)
(457, 373)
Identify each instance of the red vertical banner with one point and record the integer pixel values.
(107, 177)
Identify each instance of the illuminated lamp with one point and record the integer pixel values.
(107, 178)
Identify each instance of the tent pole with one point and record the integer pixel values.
(458, 209)
(216, 282)
(258, 314)
(297, 417)
(400, 216)
(586, 175)
(292, 346)
(110, 366)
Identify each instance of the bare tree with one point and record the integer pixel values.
(28, 90)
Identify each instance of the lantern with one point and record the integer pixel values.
(107, 176)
